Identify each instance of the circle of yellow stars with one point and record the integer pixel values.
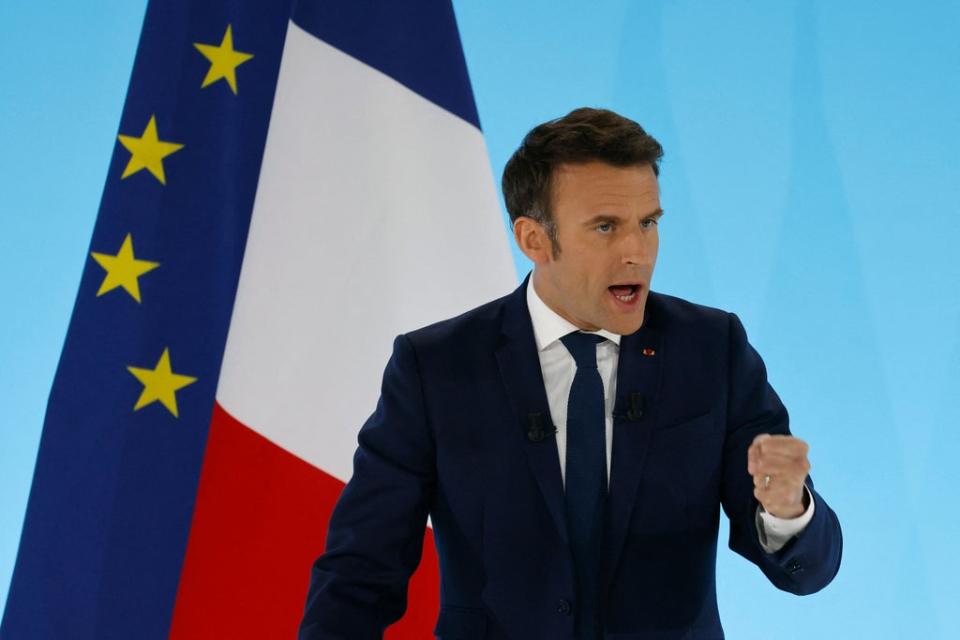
(123, 269)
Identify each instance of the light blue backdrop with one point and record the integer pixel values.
(812, 186)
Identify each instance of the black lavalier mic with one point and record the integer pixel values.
(635, 410)
(536, 429)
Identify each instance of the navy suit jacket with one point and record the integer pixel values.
(451, 437)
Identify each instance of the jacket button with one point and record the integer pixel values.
(794, 567)
(564, 606)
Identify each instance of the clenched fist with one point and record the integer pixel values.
(779, 467)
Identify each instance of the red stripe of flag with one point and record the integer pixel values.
(260, 521)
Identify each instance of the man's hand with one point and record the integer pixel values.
(779, 467)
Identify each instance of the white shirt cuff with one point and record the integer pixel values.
(775, 532)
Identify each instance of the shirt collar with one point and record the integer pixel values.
(549, 326)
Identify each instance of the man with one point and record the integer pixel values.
(574, 441)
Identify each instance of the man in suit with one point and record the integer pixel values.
(574, 441)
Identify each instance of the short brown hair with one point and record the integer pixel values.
(582, 135)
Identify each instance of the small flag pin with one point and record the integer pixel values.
(649, 352)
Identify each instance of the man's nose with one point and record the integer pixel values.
(639, 247)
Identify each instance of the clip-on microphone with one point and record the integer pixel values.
(536, 430)
(635, 412)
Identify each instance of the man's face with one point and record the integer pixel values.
(606, 220)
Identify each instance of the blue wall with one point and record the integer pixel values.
(811, 184)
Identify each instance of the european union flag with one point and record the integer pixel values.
(115, 482)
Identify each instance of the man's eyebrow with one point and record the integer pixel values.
(609, 217)
(603, 217)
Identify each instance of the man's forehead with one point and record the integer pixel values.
(601, 178)
(598, 170)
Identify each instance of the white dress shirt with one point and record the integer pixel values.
(558, 368)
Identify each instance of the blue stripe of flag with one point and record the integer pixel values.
(415, 42)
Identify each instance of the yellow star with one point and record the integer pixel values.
(147, 152)
(123, 269)
(160, 383)
(224, 61)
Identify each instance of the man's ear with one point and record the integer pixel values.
(532, 239)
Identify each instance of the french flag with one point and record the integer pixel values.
(294, 184)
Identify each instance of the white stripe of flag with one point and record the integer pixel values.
(375, 214)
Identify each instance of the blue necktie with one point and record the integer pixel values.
(586, 479)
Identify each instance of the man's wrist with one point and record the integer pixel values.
(795, 513)
(775, 532)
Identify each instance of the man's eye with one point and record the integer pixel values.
(649, 222)
(604, 227)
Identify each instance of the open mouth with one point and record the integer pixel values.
(625, 293)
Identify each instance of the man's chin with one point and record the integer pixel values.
(625, 326)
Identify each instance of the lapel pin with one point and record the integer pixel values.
(647, 351)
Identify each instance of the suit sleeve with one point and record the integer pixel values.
(808, 562)
(359, 585)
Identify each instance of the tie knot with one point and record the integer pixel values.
(583, 348)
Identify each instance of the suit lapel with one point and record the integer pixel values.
(638, 372)
(519, 366)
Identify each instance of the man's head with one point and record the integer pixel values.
(583, 196)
